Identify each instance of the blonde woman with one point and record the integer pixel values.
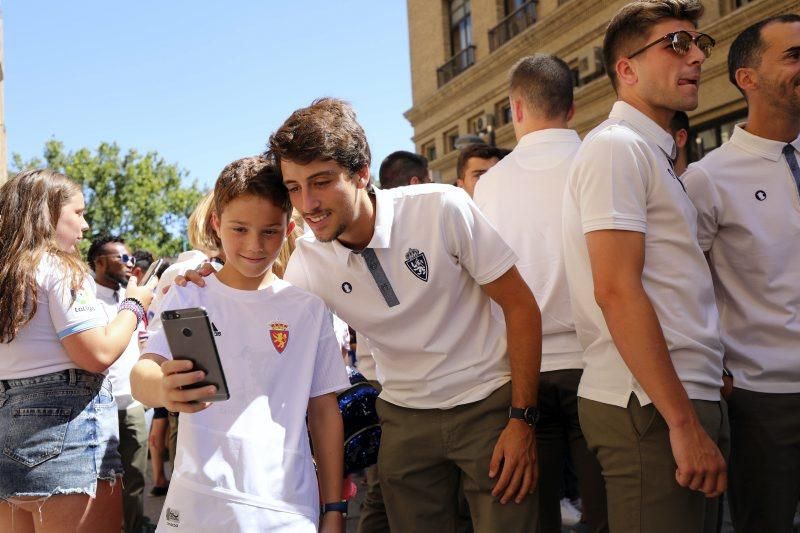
(60, 462)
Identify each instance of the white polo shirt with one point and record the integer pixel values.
(622, 179)
(120, 372)
(440, 346)
(522, 197)
(748, 219)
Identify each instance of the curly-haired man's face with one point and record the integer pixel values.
(327, 196)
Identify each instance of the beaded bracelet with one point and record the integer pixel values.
(135, 306)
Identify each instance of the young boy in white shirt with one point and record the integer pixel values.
(245, 464)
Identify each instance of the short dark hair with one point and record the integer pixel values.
(251, 175)
(143, 259)
(327, 130)
(97, 245)
(631, 26)
(545, 82)
(399, 167)
(747, 48)
(479, 150)
(679, 121)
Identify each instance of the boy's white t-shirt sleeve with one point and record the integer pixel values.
(608, 181)
(470, 237)
(706, 201)
(71, 312)
(330, 374)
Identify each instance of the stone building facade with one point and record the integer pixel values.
(461, 51)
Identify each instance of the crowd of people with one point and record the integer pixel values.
(580, 320)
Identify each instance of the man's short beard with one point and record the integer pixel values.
(120, 279)
(336, 234)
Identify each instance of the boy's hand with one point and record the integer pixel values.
(331, 523)
(195, 276)
(177, 374)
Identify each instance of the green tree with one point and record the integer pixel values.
(142, 198)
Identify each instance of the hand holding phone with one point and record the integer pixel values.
(190, 336)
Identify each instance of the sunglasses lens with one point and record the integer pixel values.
(126, 258)
(681, 42)
(705, 44)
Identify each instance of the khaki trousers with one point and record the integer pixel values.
(424, 453)
(633, 447)
(765, 460)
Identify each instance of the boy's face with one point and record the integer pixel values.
(252, 230)
(325, 194)
(473, 170)
(661, 78)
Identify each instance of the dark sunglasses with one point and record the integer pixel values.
(681, 42)
(125, 258)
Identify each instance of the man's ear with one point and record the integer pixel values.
(571, 112)
(362, 177)
(746, 79)
(681, 138)
(626, 72)
(517, 108)
(414, 180)
(290, 227)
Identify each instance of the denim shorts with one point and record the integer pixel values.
(59, 434)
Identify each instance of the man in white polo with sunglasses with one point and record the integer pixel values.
(642, 295)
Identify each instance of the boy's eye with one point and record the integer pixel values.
(321, 183)
(239, 229)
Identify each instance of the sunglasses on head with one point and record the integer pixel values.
(125, 258)
(681, 42)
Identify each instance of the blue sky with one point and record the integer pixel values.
(201, 82)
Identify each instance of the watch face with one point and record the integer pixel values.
(531, 415)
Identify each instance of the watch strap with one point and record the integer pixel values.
(339, 507)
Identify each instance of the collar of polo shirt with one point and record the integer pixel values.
(645, 125)
(766, 148)
(381, 237)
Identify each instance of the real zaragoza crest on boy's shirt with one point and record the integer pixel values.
(417, 263)
(279, 334)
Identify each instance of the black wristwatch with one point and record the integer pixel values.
(529, 415)
(339, 507)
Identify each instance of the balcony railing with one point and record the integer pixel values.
(456, 65)
(512, 25)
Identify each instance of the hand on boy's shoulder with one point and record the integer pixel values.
(194, 276)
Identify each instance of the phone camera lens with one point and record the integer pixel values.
(187, 332)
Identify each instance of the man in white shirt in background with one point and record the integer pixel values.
(747, 195)
(641, 291)
(112, 263)
(522, 197)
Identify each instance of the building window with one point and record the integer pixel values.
(450, 140)
(710, 136)
(502, 111)
(519, 15)
(461, 47)
(429, 150)
(460, 26)
(588, 66)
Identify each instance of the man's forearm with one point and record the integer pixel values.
(524, 334)
(637, 334)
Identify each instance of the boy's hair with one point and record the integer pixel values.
(631, 26)
(327, 130)
(143, 259)
(254, 176)
(545, 82)
(399, 167)
(97, 245)
(479, 150)
(747, 48)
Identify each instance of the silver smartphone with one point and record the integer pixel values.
(190, 336)
(150, 272)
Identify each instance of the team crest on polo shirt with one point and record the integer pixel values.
(279, 334)
(417, 263)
